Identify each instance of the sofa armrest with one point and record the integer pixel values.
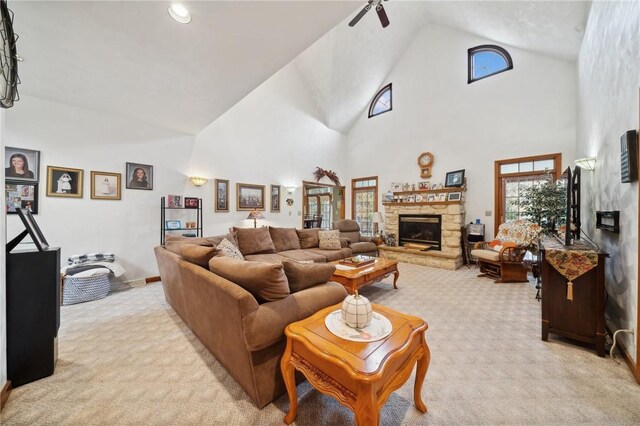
(365, 239)
(265, 326)
(345, 242)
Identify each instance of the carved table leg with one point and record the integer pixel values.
(367, 407)
(421, 373)
(288, 374)
(396, 274)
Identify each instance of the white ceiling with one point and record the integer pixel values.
(132, 59)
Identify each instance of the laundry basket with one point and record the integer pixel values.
(83, 289)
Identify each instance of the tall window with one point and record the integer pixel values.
(364, 196)
(382, 102)
(487, 60)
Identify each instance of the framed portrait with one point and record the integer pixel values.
(105, 185)
(64, 182)
(174, 201)
(222, 195)
(33, 229)
(21, 164)
(431, 197)
(442, 197)
(424, 184)
(21, 195)
(139, 176)
(172, 224)
(190, 203)
(275, 198)
(454, 179)
(250, 197)
(454, 196)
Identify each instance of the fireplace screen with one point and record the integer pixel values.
(420, 229)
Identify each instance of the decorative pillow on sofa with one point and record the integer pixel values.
(329, 240)
(305, 275)
(200, 255)
(284, 238)
(227, 249)
(308, 238)
(254, 240)
(217, 239)
(265, 281)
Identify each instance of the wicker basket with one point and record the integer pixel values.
(84, 289)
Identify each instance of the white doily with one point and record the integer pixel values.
(379, 328)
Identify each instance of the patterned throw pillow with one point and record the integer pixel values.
(329, 240)
(228, 249)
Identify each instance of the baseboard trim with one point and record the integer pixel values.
(627, 358)
(4, 394)
(152, 279)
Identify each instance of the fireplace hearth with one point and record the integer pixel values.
(420, 229)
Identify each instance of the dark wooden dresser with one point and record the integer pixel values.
(582, 318)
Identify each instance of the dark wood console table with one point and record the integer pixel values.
(582, 318)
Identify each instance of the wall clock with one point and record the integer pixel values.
(425, 161)
(8, 58)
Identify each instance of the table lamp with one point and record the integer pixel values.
(255, 215)
(377, 219)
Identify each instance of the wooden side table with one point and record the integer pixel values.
(353, 279)
(360, 376)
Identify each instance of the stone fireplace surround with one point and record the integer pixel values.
(449, 257)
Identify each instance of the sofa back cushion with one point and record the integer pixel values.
(353, 237)
(181, 239)
(284, 238)
(329, 240)
(217, 239)
(200, 255)
(254, 240)
(227, 249)
(308, 238)
(267, 282)
(305, 275)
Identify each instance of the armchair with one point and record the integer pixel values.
(359, 244)
(503, 258)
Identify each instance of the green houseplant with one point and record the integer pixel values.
(545, 203)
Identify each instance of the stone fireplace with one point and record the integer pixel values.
(420, 229)
(451, 219)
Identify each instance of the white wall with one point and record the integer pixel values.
(74, 137)
(3, 276)
(273, 136)
(529, 110)
(609, 78)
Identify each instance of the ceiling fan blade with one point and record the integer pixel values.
(384, 20)
(360, 15)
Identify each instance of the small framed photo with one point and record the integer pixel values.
(33, 229)
(172, 224)
(139, 176)
(425, 184)
(442, 197)
(222, 195)
(434, 186)
(105, 185)
(454, 196)
(431, 198)
(64, 182)
(21, 195)
(191, 203)
(174, 201)
(275, 198)
(396, 187)
(454, 179)
(411, 199)
(250, 197)
(21, 164)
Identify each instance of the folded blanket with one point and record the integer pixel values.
(78, 259)
(73, 270)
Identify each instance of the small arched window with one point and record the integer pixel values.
(381, 101)
(487, 60)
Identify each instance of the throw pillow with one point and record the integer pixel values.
(329, 240)
(254, 241)
(304, 275)
(215, 240)
(265, 281)
(228, 249)
(308, 238)
(200, 255)
(284, 238)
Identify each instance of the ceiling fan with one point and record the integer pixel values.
(382, 15)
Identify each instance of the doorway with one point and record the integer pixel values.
(322, 205)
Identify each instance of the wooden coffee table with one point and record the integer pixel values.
(353, 279)
(361, 376)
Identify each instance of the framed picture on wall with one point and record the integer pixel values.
(64, 182)
(250, 197)
(139, 176)
(275, 198)
(21, 164)
(21, 195)
(454, 179)
(222, 195)
(105, 185)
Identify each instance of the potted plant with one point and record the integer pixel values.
(545, 203)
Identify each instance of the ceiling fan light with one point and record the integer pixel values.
(179, 13)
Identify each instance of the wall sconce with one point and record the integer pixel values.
(290, 191)
(587, 163)
(198, 181)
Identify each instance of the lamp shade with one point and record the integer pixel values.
(377, 218)
(198, 181)
(587, 163)
(255, 215)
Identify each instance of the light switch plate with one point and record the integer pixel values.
(487, 213)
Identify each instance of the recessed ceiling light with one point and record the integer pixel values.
(179, 13)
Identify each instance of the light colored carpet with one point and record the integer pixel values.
(129, 359)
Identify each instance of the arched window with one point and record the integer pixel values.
(381, 102)
(487, 60)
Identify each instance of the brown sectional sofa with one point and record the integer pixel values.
(246, 337)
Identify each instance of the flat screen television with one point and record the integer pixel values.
(32, 229)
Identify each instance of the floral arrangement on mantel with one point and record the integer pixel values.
(330, 174)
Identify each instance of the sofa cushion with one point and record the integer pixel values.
(284, 238)
(332, 255)
(267, 282)
(346, 225)
(228, 249)
(254, 240)
(267, 257)
(363, 247)
(486, 254)
(215, 240)
(181, 239)
(329, 240)
(200, 255)
(305, 275)
(308, 238)
(303, 255)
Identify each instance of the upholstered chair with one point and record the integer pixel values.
(359, 244)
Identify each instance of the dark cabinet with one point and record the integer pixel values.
(33, 314)
(582, 318)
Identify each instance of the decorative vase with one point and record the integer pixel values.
(356, 311)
